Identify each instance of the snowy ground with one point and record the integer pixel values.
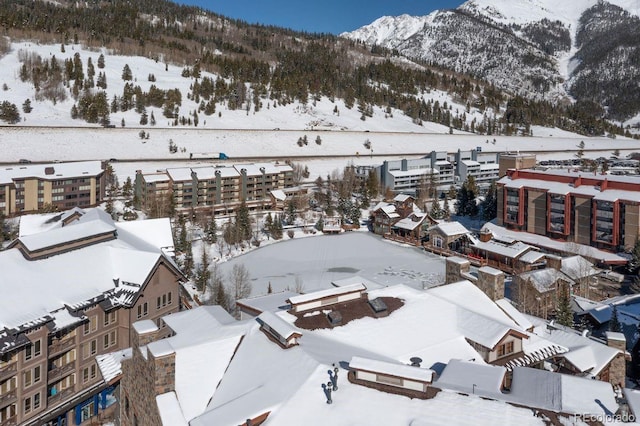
(321, 259)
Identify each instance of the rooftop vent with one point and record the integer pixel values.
(49, 170)
(415, 361)
(335, 318)
(378, 305)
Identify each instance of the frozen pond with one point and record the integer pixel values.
(317, 261)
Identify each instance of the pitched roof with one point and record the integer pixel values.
(450, 228)
(114, 269)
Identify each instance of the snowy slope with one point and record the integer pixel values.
(518, 45)
(319, 115)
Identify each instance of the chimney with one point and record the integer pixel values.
(577, 181)
(491, 282)
(554, 261)
(604, 185)
(617, 366)
(485, 235)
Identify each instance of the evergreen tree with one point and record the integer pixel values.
(126, 73)
(490, 203)
(614, 322)
(243, 221)
(101, 61)
(634, 263)
(564, 315)
(203, 274)
(26, 106)
(268, 225)
(446, 209)
(212, 230)
(127, 188)
(187, 268)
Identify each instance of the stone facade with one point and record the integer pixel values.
(488, 279)
(618, 366)
(143, 377)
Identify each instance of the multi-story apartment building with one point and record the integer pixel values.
(408, 175)
(597, 210)
(29, 188)
(72, 285)
(220, 189)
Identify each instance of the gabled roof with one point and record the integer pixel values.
(113, 269)
(544, 280)
(587, 355)
(450, 229)
(577, 267)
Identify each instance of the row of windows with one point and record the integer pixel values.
(32, 377)
(90, 348)
(32, 403)
(163, 300)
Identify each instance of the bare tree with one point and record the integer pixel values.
(240, 282)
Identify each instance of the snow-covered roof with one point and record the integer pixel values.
(110, 364)
(511, 251)
(95, 222)
(411, 172)
(277, 324)
(401, 198)
(561, 188)
(56, 171)
(471, 377)
(586, 354)
(393, 369)
(112, 270)
(155, 177)
(303, 298)
(577, 267)
(255, 376)
(470, 163)
(450, 228)
(278, 194)
(532, 256)
(489, 166)
(170, 411)
(180, 174)
(561, 393)
(555, 245)
(544, 279)
(411, 222)
(355, 279)
(514, 314)
(271, 302)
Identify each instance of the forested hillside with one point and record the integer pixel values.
(246, 67)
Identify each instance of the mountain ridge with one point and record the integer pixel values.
(528, 47)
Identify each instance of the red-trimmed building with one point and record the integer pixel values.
(597, 210)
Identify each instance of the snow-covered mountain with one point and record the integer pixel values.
(542, 48)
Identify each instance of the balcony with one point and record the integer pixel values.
(58, 347)
(8, 370)
(60, 396)
(8, 398)
(57, 373)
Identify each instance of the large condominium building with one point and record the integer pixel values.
(439, 167)
(72, 284)
(597, 210)
(217, 188)
(29, 188)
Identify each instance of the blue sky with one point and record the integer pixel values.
(331, 16)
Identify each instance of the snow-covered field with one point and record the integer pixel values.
(317, 261)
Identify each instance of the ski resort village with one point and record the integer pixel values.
(207, 222)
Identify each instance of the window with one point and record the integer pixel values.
(36, 374)
(89, 373)
(109, 339)
(28, 378)
(33, 350)
(505, 349)
(169, 298)
(27, 405)
(92, 325)
(110, 317)
(143, 310)
(89, 349)
(36, 401)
